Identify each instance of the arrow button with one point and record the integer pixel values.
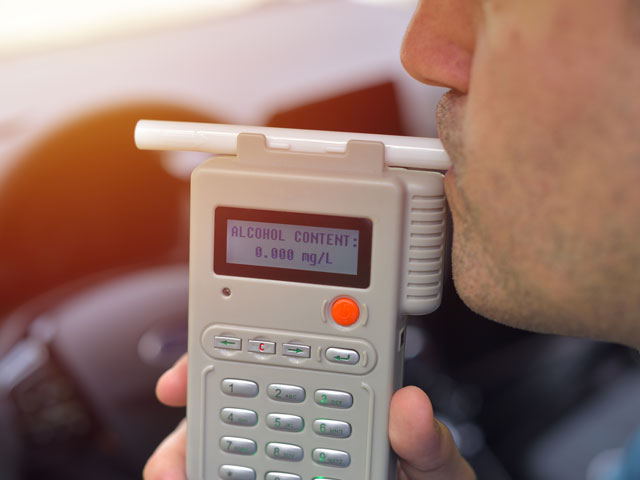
(295, 350)
(227, 343)
(342, 355)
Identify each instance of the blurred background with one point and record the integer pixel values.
(94, 233)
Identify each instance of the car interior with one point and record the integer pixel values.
(94, 240)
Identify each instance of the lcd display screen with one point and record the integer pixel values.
(291, 246)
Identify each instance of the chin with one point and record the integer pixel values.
(474, 285)
(498, 294)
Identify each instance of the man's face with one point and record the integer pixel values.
(543, 128)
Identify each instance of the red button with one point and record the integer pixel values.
(345, 311)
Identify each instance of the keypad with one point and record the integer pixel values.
(282, 348)
(285, 446)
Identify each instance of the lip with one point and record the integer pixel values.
(450, 185)
(449, 117)
(453, 194)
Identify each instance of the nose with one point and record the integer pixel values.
(439, 42)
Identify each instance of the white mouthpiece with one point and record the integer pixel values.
(408, 152)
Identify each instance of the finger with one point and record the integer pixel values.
(169, 460)
(425, 446)
(171, 388)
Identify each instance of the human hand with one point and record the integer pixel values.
(169, 460)
(423, 444)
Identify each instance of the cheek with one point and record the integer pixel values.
(510, 182)
(535, 137)
(549, 176)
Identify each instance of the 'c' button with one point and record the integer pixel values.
(345, 311)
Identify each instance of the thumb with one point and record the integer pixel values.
(171, 388)
(424, 445)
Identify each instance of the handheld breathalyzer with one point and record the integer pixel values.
(307, 251)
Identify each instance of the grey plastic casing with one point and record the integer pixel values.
(407, 211)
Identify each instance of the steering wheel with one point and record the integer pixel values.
(83, 372)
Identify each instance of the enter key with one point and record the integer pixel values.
(342, 355)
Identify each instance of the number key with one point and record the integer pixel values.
(331, 428)
(240, 446)
(239, 388)
(336, 458)
(333, 398)
(282, 476)
(282, 421)
(286, 393)
(236, 473)
(284, 451)
(239, 416)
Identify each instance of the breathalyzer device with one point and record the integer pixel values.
(308, 250)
